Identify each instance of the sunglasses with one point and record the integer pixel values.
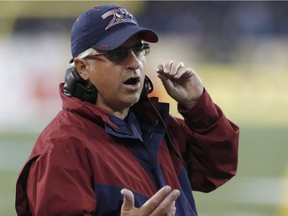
(120, 54)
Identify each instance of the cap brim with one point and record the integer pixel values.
(117, 38)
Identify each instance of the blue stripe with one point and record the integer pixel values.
(185, 204)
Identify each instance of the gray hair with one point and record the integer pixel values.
(84, 54)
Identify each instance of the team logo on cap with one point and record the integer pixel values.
(120, 15)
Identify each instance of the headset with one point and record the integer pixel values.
(75, 86)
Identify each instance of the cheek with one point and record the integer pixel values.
(104, 81)
(96, 78)
(93, 77)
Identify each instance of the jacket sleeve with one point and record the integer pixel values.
(59, 183)
(208, 142)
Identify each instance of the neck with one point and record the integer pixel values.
(121, 114)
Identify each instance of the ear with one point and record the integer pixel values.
(82, 67)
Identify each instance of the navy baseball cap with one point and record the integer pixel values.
(106, 27)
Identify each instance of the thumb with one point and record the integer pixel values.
(128, 202)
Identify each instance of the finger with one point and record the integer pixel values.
(179, 65)
(165, 206)
(159, 68)
(184, 73)
(172, 210)
(175, 68)
(128, 202)
(167, 66)
(150, 205)
(163, 77)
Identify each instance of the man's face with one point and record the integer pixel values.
(119, 83)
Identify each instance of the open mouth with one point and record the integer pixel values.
(132, 81)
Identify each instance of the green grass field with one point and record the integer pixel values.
(257, 101)
(256, 189)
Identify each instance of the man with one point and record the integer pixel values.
(113, 151)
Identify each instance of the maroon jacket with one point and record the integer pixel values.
(83, 158)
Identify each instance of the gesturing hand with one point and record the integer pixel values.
(181, 83)
(161, 203)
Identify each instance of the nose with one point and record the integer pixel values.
(133, 62)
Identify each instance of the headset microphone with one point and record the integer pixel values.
(147, 87)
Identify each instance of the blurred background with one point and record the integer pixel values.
(239, 49)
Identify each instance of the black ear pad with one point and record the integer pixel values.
(75, 86)
(147, 87)
(72, 77)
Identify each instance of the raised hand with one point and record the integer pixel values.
(181, 83)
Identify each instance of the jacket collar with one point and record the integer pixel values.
(143, 109)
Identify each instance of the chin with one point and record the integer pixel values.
(132, 99)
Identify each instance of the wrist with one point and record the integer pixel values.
(187, 106)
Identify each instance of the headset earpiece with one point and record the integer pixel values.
(77, 87)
